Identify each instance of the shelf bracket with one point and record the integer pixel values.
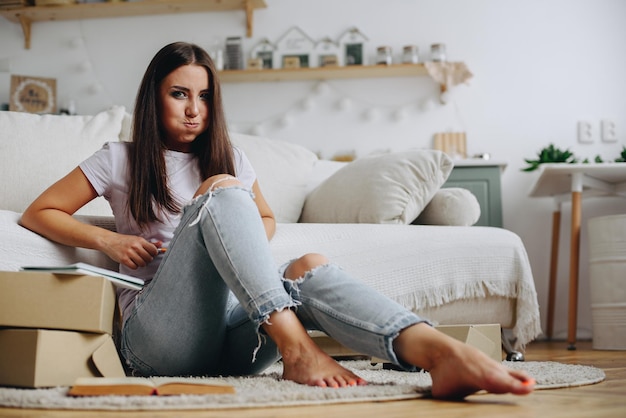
(26, 26)
(249, 18)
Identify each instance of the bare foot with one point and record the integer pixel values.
(466, 371)
(457, 369)
(303, 361)
(311, 366)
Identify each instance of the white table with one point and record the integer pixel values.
(566, 182)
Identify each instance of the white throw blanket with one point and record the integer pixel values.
(430, 265)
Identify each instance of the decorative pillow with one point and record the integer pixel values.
(451, 206)
(322, 170)
(387, 188)
(38, 150)
(283, 171)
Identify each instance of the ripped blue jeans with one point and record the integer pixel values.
(218, 282)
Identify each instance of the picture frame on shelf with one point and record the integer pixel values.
(33, 94)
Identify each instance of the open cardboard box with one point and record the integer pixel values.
(56, 301)
(42, 358)
(484, 337)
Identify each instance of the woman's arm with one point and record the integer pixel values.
(51, 216)
(264, 209)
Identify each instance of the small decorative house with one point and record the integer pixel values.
(353, 43)
(326, 53)
(294, 44)
(264, 50)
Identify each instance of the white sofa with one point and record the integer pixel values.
(358, 214)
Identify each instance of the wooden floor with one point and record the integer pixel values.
(606, 399)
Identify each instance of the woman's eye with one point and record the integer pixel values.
(205, 96)
(178, 94)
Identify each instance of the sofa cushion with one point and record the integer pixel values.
(451, 206)
(283, 170)
(38, 150)
(387, 188)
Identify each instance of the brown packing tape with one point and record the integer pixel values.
(17, 353)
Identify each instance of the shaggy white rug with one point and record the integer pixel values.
(268, 390)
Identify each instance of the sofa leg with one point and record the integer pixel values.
(511, 354)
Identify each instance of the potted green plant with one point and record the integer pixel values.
(550, 154)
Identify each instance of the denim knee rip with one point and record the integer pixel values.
(211, 192)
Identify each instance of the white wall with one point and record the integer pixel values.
(539, 67)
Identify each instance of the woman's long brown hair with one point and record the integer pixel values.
(149, 192)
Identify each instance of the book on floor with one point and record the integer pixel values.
(119, 279)
(159, 386)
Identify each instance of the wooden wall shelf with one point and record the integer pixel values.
(323, 73)
(26, 15)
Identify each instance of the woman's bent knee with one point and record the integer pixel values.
(307, 262)
(218, 180)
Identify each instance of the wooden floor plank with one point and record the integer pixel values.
(603, 400)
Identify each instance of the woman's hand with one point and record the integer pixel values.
(51, 216)
(131, 251)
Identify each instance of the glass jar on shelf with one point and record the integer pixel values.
(410, 54)
(438, 52)
(383, 55)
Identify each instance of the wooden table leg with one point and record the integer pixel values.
(573, 269)
(554, 262)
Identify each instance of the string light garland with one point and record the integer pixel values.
(86, 66)
(343, 103)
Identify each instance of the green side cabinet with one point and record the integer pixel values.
(483, 180)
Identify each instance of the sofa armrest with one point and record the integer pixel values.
(21, 247)
(452, 206)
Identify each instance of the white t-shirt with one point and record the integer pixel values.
(107, 170)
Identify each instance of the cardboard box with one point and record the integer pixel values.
(486, 338)
(56, 301)
(41, 358)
